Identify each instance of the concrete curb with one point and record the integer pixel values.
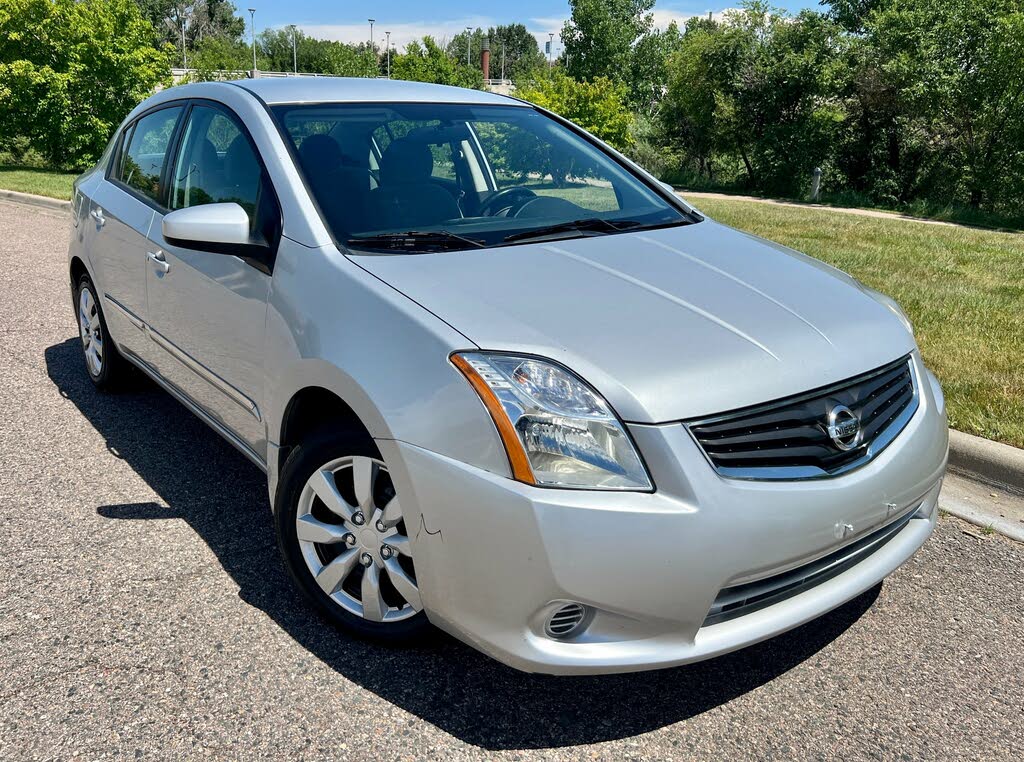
(986, 461)
(34, 200)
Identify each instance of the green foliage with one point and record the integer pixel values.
(274, 53)
(201, 18)
(522, 54)
(899, 101)
(600, 35)
(598, 106)
(957, 69)
(70, 71)
(218, 54)
(427, 61)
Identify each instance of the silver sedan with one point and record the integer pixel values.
(501, 380)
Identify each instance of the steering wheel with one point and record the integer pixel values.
(508, 198)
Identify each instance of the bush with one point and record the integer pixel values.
(70, 72)
(598, 106)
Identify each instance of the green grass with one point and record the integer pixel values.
(42, 182)
(962, 287)
(962, 215)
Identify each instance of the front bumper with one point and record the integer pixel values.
(492, 554)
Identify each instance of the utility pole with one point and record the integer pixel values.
(469, 40)
(252, 20)
(184, 55)
(388, 36)
(295, 54)
(503, 59)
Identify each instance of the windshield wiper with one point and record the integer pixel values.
(412, 240)
(591, 224)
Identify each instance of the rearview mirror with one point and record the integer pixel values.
(208, 224)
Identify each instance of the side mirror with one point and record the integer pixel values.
(668, 187)
(199, 226)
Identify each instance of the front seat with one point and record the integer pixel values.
(340, 182)
(407, 197)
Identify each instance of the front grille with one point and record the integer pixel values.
(789, 438)
(738, 600)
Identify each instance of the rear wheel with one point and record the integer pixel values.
(344, 538)
(103, 362)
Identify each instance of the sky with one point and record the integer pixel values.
(346, 20)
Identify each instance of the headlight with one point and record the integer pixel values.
(557, 431)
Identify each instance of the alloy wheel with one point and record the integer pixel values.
(90, 330)
(354, 541)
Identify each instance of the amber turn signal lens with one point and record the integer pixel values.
(517, 459)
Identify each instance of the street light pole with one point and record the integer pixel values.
(184, 55)
(469, 39)
(551, 48)
(252, 21)
(371, 32)
(295, 54)
(388, 46)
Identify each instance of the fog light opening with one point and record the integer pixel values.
(568, 620)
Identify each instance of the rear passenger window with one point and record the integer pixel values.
(143, 163)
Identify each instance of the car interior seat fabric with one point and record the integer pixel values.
(407, 197)
(340, 177)
(241, 176)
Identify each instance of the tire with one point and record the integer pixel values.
(106, 367)
(325, 507)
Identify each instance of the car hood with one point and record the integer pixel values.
(667, 324)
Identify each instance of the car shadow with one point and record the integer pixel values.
(223, 497)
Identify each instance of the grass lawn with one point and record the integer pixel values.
(963, 289)
(42, 182)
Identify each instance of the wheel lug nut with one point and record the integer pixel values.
(358, 519)
(386, 551)
(366, 559)
(381, 527)
(350, 539)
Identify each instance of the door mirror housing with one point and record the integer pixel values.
(197, 227)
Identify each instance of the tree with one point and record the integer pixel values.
(600, 35)
(71, 70)
(598, 106)
(427, 61)
(274, 47)
(648, 64)
(522, 54)
(202, 19)
(215, 55)
(959, 71)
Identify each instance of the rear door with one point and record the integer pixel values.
(121, 211)
(207, 310)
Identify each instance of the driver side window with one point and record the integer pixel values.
(218, 164)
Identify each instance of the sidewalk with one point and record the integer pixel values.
(839, 209)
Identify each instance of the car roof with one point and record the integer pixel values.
(276, 90)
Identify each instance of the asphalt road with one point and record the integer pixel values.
(144, 613)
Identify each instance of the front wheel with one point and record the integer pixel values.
(344, 538)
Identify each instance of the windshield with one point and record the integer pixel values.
(423, 177)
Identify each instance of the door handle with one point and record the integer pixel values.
(158, 259)
(97, 214)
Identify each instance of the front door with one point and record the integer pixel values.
(207, 311)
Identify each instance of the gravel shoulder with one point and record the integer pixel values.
(144, 613)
